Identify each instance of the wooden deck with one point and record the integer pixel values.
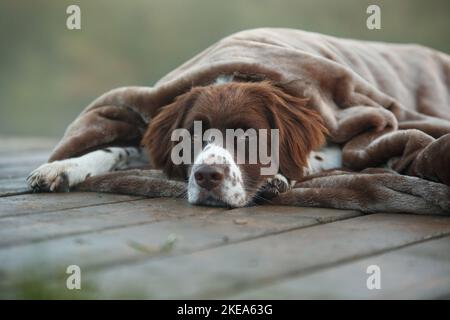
(132, 247)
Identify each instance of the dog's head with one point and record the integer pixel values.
(222, 173)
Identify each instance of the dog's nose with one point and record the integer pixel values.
(209, 176)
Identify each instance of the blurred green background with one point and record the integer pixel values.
(48, 73)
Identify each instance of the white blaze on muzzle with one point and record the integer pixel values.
(215, 179)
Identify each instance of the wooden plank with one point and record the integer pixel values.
(37, 203)
(192, 233)
(25, 144)
(15, 230)
(420, 271)
(10, 187)
(19, 172)
(17, 168)
(225, 270)
(16, 162)
(22, 158)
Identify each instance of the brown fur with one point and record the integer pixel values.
(240, 105)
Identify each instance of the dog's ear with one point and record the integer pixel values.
(157, 138)
(301, 130)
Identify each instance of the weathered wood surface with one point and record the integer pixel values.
(164, 248)
(417, 271)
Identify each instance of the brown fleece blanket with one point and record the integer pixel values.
(384, 103)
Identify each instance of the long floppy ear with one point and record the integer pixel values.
(301, 130)
(157, 138)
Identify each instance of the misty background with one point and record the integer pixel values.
(48, 73)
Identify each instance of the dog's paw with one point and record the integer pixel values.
(52, 177)
(274, 186)
(279, 183)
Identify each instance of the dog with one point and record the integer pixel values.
(224, 104)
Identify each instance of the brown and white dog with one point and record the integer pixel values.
(215, 178)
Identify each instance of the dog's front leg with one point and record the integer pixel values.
(64, 174)
(148, 183)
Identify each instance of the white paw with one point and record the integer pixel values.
(51, 177)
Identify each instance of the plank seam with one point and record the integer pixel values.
(24, 214)
(261, 283)
(145, 258)
(124, 226)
